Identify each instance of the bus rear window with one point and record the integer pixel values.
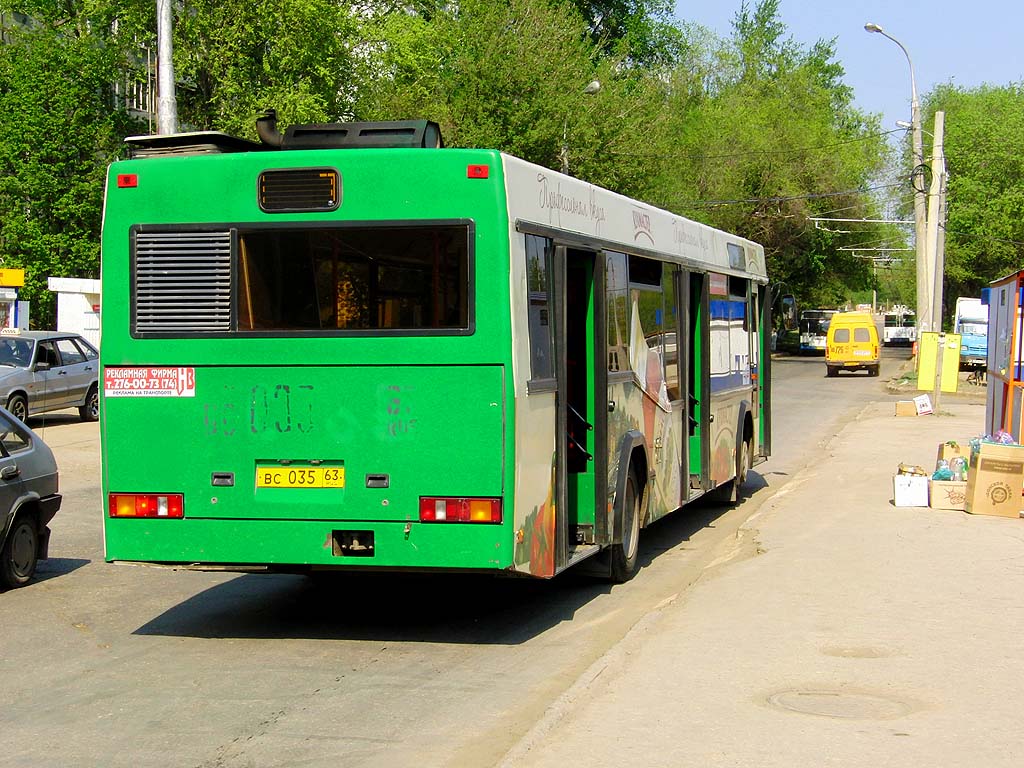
(354, 279)
(357, 279)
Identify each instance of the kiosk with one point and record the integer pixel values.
(1004, 406)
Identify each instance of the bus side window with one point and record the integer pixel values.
(670, 333)
(617, 293)
(647, 316)
(539, 251)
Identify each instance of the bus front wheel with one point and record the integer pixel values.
(624, 553)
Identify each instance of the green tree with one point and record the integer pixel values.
(640, 32)
(511, 76)
(58, 130)
(984, 149)
(235, 59)
(767, 137)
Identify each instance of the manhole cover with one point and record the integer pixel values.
(851, 706)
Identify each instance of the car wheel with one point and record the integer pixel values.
(831, 371)
(18, 405)
(91, 410)
(19, 555)
(624, 554)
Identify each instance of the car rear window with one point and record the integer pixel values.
(69, 352)
(11, 437)
(842, 336)
(861, 334)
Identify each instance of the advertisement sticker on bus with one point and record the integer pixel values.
(149, 382)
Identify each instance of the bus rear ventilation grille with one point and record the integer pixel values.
(305, 189)
(182, 282)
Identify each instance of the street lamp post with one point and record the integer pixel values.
(924, 278)
(167, 102)
(592, 87)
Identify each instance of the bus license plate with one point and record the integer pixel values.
(300, 477)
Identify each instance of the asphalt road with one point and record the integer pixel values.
(131, 666)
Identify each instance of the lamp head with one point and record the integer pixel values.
(869, 27)
(592, 87)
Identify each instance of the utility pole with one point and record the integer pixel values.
(167, 101)
(936, 219)
(924, 267)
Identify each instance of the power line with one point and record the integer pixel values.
(781, 199)
(981, 237)
(749, 152)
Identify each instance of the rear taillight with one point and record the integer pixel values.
(146, 505)
(446, 509)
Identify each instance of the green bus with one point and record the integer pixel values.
(347, 347)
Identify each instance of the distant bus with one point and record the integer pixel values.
(328, 352)
(898, 326)
(814, 329)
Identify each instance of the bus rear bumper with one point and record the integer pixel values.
(254, 545)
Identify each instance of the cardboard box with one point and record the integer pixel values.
(995, 479)
(950, 451)
(947, 494)
(906, 408)
(910, 491)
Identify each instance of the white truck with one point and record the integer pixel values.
(971, 322)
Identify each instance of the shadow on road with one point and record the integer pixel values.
(55, 419)
(53, 567)
(406, 607)
(415, 607)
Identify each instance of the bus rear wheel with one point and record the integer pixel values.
(624, 553)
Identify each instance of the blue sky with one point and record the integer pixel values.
(968, 43)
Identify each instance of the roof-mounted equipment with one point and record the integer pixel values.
(381, 135)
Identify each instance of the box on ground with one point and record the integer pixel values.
(906, 408)
(995, 480)
(923, 404)
(947, 494)
(910, 490)
(952, 449)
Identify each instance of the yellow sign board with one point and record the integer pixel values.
(928, 348)
(12, 278)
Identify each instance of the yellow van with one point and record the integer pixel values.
(852, 343)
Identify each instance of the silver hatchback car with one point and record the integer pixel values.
(44, 371)
(29, 499)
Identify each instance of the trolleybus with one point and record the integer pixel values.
(898, 326)
(346, 347)
(814, 329)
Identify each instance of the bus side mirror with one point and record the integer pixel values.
(789, 321)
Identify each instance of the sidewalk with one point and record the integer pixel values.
(839, 631)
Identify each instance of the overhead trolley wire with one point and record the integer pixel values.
(782, 198)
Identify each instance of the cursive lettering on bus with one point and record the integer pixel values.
(553, 198)
(642, 226)
(680, 235)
